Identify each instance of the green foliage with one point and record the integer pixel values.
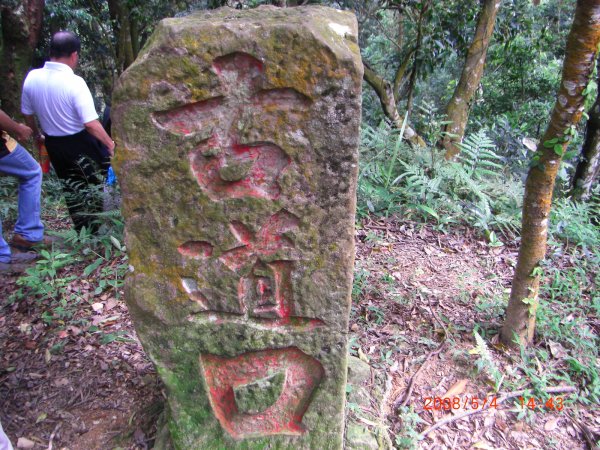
(408, 437)
(565, 322)
(43, 280)
(101, 257)
(478, 188)
(485, 362)
(576, 223)
(360, 283)
(8, 189)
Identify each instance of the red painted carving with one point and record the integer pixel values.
(264, 291)
(269, 240)
(239, 170)
(268, 291)
(191, 118)
(303, 374)
(196, 249)
(224, 166)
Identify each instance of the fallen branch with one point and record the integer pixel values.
(587, 433)
(441, 423)
(52, 436)
(399, 403)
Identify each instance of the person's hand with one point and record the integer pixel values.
(23, 132)
(111, 149)
(40, 140)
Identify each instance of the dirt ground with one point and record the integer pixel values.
(84, 382)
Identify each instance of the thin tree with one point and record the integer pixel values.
(389, 93)
(588, 167)
(578, 65)
(458, 107)
(21, 29)
(387, 98)
(423, 9)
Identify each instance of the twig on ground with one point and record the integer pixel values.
(441, 423)
(56, 428)
(398, 402)
(435, 316)
(587, 433)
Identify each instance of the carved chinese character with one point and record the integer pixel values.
(225, 167)
(264, 289)
(301, 376)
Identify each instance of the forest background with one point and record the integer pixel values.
(457, 106)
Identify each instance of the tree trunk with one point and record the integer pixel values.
(458, 107)
(577, 68)
(21, 28)
(385, 92)
(589, 166)
(124, 31)
(400, 78)
(415, 70)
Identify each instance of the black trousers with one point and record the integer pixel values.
(81, 163)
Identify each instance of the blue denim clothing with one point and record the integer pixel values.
(21, 164)
(4, 441)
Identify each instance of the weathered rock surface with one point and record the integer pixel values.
(237, 158)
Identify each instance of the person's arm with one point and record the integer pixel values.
(18, 130)
(37, 134)
(95, 128)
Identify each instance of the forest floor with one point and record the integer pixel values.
(84, 382)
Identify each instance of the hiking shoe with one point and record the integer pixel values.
(18, 263)
(20, 243)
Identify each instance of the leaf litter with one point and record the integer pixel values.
(87, 384)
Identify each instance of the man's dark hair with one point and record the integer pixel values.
(63, 44)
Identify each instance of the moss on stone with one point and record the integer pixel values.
(165, 207)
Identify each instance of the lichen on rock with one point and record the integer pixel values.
(238, 155)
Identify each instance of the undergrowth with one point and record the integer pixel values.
(421, 185)
(483, 189)
(80, 267)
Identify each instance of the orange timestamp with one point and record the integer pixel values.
(553, 403)
(449, 403)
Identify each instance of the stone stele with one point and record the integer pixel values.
(237, 137)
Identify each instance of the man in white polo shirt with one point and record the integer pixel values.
(78, 145)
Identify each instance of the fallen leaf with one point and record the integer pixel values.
(61, 382)
(41, 417)
(25, 443)
(489, 420)
(111, 303)
(552, 424)
(369, 422)
(97, 307)
(482, 444)
(557, 350)
(457, 388)
(362, 356)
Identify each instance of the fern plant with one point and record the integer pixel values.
(486, 363)
(478, 157)
(395, 179)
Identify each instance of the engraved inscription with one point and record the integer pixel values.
(302, 375)
(264, 263)
(224, 166)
